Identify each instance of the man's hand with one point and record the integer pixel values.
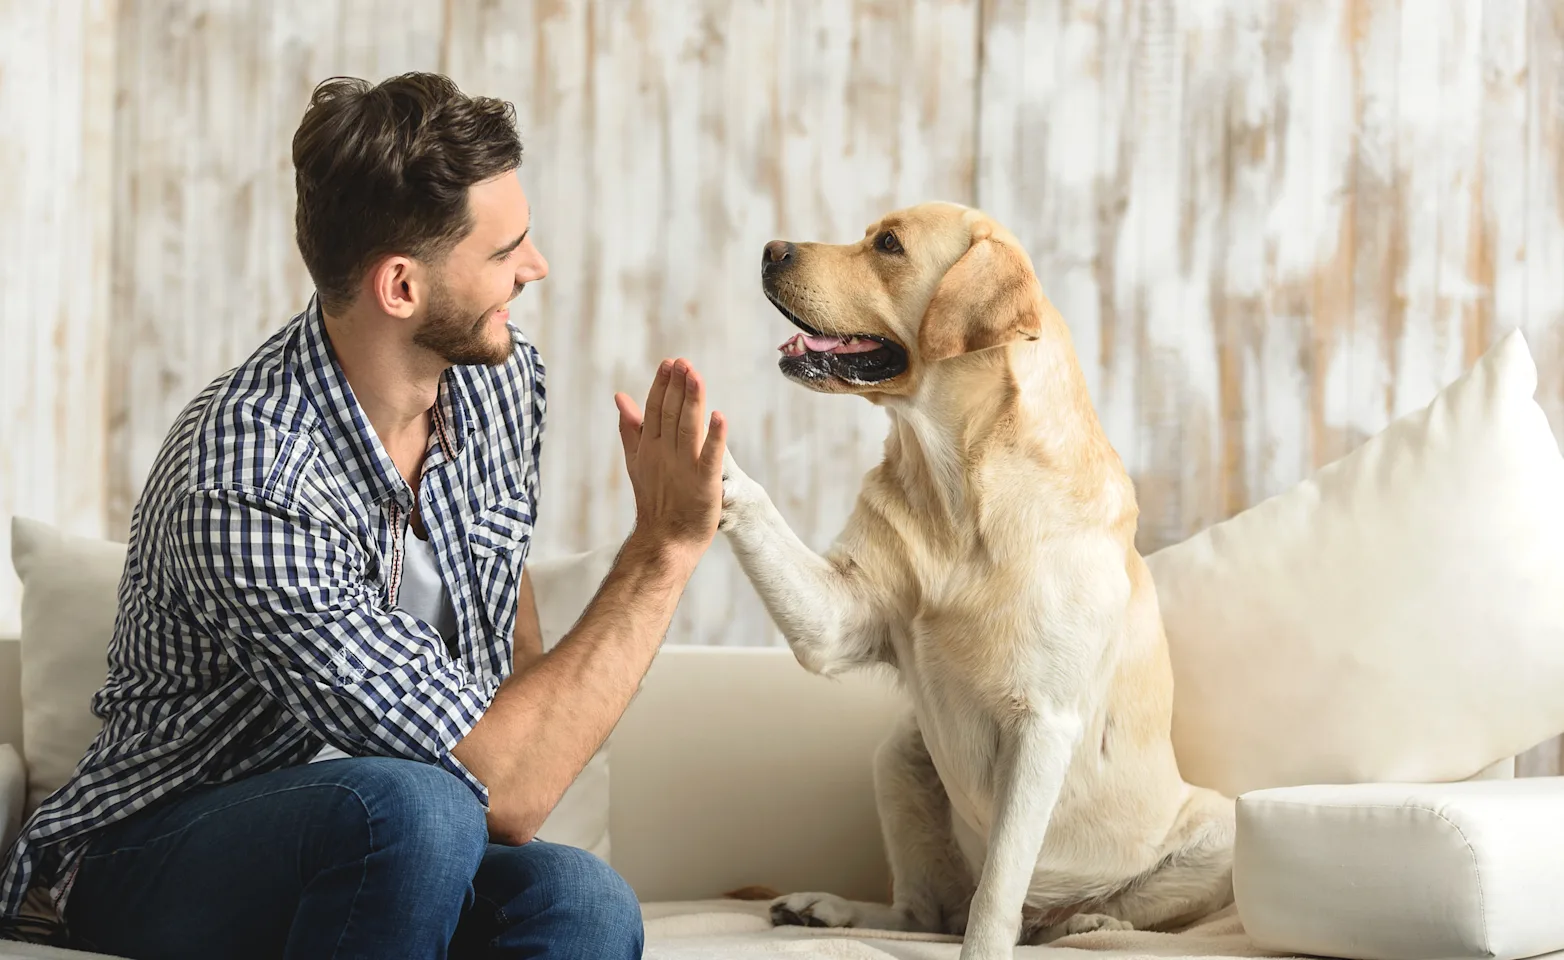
(557, 709)
(674, 459)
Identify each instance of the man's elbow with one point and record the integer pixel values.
(515, 820)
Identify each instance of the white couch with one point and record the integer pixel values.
(733, 767)
(1343, 654)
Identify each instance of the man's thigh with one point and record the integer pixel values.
(224, 867)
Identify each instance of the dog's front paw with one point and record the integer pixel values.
(812, 910)
(739, 493)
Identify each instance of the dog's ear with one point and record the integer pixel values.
(990, 297)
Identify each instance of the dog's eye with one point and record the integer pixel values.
(889, 243)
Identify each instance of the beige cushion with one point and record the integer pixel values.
(1403, 872)
(736, 766)
(1397, 616)
(69, 598)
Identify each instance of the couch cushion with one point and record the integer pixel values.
(69, 598)
(1397, 616)
(69, 595)
(1398, 872)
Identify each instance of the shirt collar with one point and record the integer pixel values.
(364, 456)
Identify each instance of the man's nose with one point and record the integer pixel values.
(778, 252)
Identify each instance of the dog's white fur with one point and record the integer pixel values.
(1032, 790)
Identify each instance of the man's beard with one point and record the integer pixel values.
(458, 337)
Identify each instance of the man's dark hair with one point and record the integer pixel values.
(384, 168)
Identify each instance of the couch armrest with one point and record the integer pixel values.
(13, 793)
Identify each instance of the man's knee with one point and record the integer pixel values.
(573, 887)
(414, 813)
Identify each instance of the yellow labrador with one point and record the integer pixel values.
(1032, 790)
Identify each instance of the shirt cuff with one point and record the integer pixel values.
(471, 703)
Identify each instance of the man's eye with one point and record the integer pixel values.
(889, 243)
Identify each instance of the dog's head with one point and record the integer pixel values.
(925, 284)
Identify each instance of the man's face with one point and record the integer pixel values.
(466, 318)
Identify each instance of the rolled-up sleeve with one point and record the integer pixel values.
(287, 596)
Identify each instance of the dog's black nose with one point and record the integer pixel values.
(777, 252)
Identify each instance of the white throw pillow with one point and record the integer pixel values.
(69, 598)
(70, 588)
(1399, 616)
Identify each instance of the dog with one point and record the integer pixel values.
(1031, 790)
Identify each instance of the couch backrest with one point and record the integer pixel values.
(735, 766)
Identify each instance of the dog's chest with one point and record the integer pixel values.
(962, 744)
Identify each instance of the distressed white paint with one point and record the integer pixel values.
(56, 97)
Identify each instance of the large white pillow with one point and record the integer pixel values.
(1399, 616)
(69, 597)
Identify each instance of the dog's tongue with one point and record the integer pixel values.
(801, 342)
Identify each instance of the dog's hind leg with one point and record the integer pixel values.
(931, 884)
(1193, 879)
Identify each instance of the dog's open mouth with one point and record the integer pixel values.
(856, 358)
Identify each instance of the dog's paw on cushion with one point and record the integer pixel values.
(813, 910)
(1399, 616)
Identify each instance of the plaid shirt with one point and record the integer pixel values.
(256, 615)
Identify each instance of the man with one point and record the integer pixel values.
(329, 729)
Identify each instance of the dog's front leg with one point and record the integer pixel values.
(1036, 741)
(822, 611)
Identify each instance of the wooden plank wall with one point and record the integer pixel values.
(1272, 226)
(57, 63)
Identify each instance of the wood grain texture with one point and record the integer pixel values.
(56, 114)
(204, 261)
(1272, 227)
(666, 144)
(1542, 268)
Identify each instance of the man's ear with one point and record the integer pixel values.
(990, 297)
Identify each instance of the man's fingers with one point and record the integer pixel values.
(652, 423)
(629, 425)
(673, 400)
(693, 416)
(716, 444)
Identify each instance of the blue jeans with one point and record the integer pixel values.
(364, 857)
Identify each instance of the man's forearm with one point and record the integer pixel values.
(548, 719)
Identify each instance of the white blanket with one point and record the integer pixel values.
(740, 930)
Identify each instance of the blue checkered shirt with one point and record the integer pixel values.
(257, 619)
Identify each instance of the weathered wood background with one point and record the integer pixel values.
(1272, 226)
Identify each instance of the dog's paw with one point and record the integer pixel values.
(1087, 923)
(739, 493)
(812, 910)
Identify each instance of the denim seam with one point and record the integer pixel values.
(237, 803)
(363, 869)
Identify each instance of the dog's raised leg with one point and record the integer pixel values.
(1036, 741)
(930, 881)
(822, 612)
